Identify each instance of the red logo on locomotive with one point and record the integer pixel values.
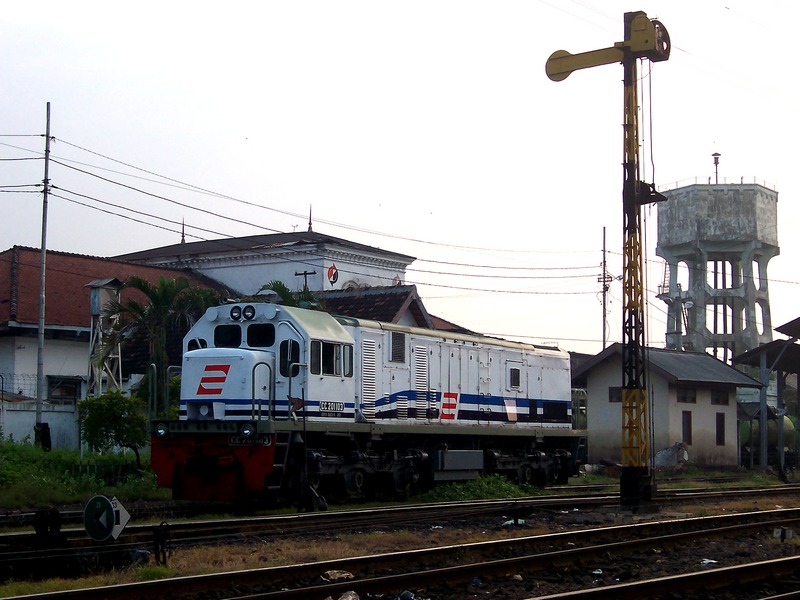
(217, 374)
(449, 405)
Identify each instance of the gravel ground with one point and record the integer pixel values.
(607, 569)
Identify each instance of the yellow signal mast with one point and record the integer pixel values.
(644, 38)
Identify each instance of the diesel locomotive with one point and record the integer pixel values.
(287, 404)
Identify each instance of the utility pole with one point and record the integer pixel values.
(604, 279)
(304, 275)
(644, 38)
(41, 431)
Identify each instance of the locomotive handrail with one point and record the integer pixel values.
(289, 391)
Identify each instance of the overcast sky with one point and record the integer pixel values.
(426, 128)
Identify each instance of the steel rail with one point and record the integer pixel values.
(283, 577)
(27, 555)
(710, 580)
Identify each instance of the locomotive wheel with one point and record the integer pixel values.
(525, 475)
(561, 475)
(554, 473)
(357, 480)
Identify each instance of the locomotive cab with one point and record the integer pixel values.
(266, 362)
(245, 368)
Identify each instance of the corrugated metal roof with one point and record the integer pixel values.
(792, 328)
(676, 367)
(696, 367)
(782, 355)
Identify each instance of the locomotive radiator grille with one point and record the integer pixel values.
(421, 383)
(369, 383)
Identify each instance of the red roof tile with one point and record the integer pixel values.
(66, 279)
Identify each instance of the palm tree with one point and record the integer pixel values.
(302, 298)
(167, 304)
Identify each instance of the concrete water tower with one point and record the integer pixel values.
(717, 240)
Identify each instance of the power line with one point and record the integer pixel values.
(289, 213)
(170, 200)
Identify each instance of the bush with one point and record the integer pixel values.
(114, 420)
(483, 488)
(32, 478)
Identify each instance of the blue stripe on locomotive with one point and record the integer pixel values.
(242, 408)
(471, 407)
(475, 407)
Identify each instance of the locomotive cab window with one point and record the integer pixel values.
(347, 360)
(289, 353)
(196, 344)
(260, 335)
(227, 336)
(330, 358)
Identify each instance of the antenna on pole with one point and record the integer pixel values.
(41, 431)
(716, 156)
(309, 217)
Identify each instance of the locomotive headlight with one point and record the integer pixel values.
(248, 430)
(236, 313)
(249, 312)
(162, 430)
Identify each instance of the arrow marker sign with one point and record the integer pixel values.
(104, 518)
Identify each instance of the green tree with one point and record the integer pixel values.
(113, 420)
(158, 308)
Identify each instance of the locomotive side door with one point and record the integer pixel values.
(291, 373)
(451, 381)
(480, 376)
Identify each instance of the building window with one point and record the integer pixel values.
(687, 395)
(398, 349)
(719, 398)
(63, 390)
(686, 418)
(615, 394)
(720, 429)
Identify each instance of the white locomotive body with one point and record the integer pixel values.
(286, 402)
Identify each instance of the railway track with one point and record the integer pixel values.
(50, 543)
(440, 571)
(24, 555)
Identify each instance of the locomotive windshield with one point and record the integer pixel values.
(260, 335)
(227, 336)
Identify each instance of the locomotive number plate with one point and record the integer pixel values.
(335, 407)
(238, 440)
